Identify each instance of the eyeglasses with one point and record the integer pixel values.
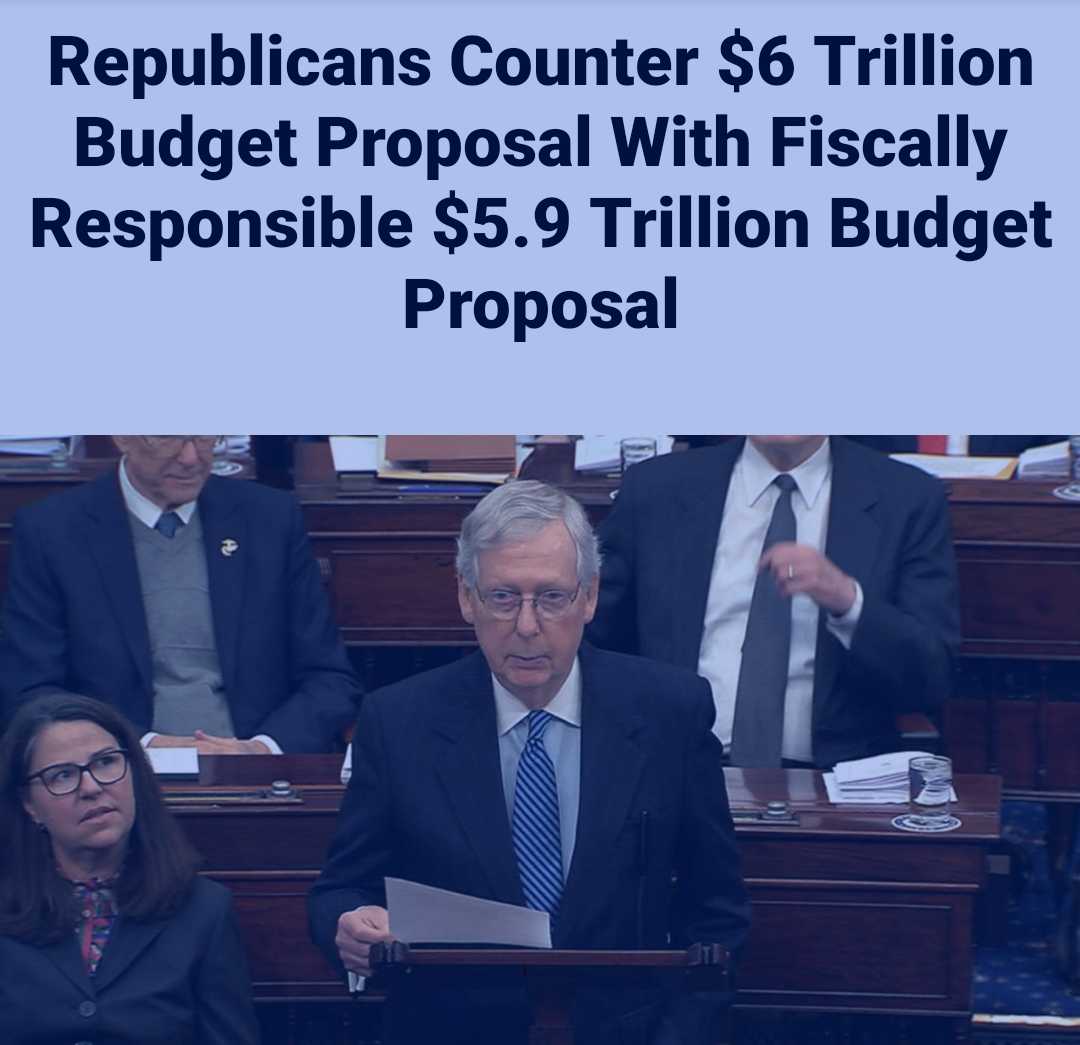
(173, 444)
(549, 605)
(108, 767)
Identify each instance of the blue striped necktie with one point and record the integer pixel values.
(535, 823)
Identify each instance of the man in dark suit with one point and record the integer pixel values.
(541, 772)
(866, 576)
(191, 603)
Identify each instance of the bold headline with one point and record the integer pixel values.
(674, 140)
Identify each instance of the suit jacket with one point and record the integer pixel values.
(173, 981)
(74, 616)
(888, 528)
(426, 803)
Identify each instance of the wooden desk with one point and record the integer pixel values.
(849, 914)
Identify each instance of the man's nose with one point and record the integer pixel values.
(188, 454)
(527, 623)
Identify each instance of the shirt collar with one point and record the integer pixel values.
(565, 705)
(143, 508)
(757, 473)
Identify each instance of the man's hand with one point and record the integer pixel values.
(171, 740)
(210, 745)
(357, 930)
(801, 570)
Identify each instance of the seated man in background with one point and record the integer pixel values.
(191, 603)
(810, 580)
(538, 771)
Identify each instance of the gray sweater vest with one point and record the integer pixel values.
(189, 691)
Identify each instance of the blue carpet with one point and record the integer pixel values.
(1022, 977)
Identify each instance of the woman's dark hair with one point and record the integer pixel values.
(36, 904)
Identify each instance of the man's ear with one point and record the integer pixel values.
(590, 594)
(464, 598)
(121, 442)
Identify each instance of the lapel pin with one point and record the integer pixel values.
(228, 546)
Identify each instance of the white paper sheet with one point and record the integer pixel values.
(424, 914)
(958, 467)
(355, 453)
(873, 797)
(174, 761)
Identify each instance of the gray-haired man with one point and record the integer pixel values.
(541, 772)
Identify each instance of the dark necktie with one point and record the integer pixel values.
(758, 730)
(535, 822)
(168, 523)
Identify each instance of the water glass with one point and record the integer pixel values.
(634, 449)
(930, 791)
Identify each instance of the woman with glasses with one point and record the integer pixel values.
(107, 934)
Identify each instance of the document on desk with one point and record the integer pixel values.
(424, 914)
(878, 780)
(176, 763)
(960, 467)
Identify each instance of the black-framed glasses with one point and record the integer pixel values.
(549, 605)
(63, 778)
(173, 444)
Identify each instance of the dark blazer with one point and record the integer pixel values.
(74, 616)
(888, 528)
(174, 981)
(426, 803)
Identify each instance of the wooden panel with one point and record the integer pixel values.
(272, 915)
(1018, 604)
(891, 860)
(857, 949)
(375, 585)
(848, 913)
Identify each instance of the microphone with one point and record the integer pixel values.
(643, 871)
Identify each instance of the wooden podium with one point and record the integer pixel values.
(552, 977)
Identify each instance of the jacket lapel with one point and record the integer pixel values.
(468, 766)
(612, 760)
(65, 955)
(126, 942)
(108, 535)
(225, 539)
(694, 543)
(852, 544)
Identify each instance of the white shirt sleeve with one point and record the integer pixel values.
(843, 627)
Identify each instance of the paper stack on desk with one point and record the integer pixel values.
(1045, 462)
(960, 467)
(880, 780)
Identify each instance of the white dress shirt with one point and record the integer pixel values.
(148, 513)
(748, 510)
(562, 741)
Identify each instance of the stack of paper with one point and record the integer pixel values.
(455, 454)
(945, 467)
(871, 781)
(1045, 462)
(39, 446)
